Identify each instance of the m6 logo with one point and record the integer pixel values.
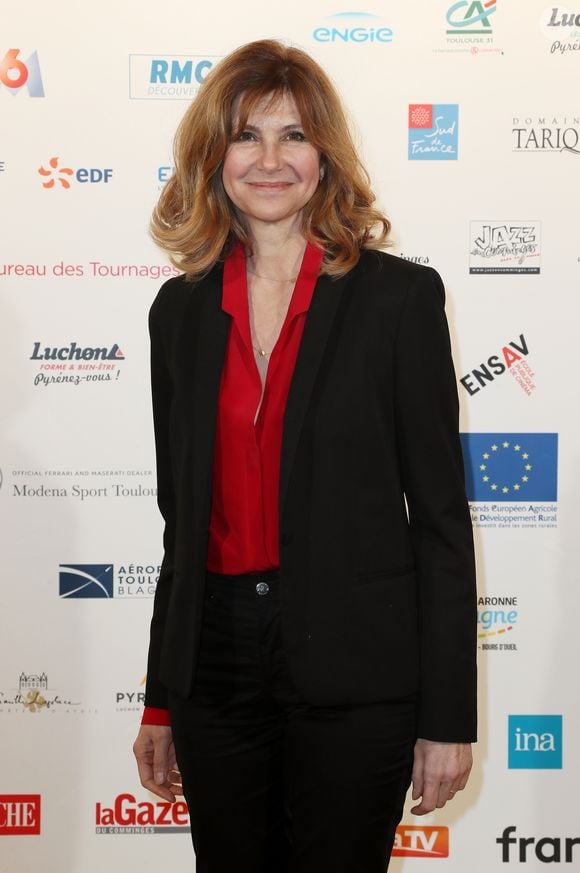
(412, 841)
(19, 814)
(15, 74)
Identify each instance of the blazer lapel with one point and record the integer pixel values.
(319, 320)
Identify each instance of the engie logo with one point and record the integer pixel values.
(168, 77)
(469, 18)
(127, 816)
(433, 131)
(19, 814)
(504, 247)
(413, 841)
(85, 580)
(65, 175)
(510, 359)
(511, 466)
(535, 742)
(16, 74)
(355, 27)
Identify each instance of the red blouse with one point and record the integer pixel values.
(243, 530)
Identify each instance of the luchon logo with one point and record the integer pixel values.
(19, 814)
(497, 619)
(131, 701)
(433, 131)
(561, 28)
(504, 247)
(547, 850)
(75, 364)
(100, 580)
(511, 468)
(56, 175)
(35, 695)
(546, 134)
(509, 359)
(535, 742)
(127, 815)
(168, 77)
(357, 27)
(414, 841)
(17, 74)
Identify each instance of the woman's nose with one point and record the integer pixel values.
(270, 157)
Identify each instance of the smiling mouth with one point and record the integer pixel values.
(273, 186)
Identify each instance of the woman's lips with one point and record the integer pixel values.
(270, 186)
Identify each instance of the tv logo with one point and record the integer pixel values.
(169, 77)
(413, 841)
(19, 814)
(85, 580)
(535, 742)
(16, 74)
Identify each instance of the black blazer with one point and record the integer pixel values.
(376, 602)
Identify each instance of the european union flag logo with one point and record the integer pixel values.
(85, 580)
(510, 467)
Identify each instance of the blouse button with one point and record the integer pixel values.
(262, 588)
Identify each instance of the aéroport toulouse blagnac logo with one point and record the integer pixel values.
(497, 622)
(127, 815)
(35, 694)
(535, 742)
(360, 28)
(546, 133)
(469, 27)
(100, 581)
(433, 131)
(57, 174)
(168, 77)
(21, 74)
(511, 479)
(560, 26)
(75, 364)
(19, 815)
(504, 247)
(421, 841)
(546, 850)
(510, 358)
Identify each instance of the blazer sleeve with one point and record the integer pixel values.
(427, 414)
(161, 392)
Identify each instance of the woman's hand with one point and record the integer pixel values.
(439, 771)
(155, 754)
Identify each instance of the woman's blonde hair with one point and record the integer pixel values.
(195, 221)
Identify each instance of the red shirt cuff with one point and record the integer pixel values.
(155, 715)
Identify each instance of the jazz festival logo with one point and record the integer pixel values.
(17, 74)
(99, 581)
(433, 131)
(421, 841)
(168, 77)
(19, 814)
(504, 247)
(357, 27)
(511, 479)
(535, 742)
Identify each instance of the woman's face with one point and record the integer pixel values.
(270, 171)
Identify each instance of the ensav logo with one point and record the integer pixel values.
(412, 841)
(19, 814)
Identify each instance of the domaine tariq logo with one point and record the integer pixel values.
(433, 131)
(168, 77)
(546, 134)
(357, 27)
(19, 814)
(562, 29)
(510, 359)
(129, 816)
(497, 617)
(547, 850)
(74, 364)
(16, 74)
(55, 173)
(412, 841)
(504, 247)
(80, 581)
(34, 694)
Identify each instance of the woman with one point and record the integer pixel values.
(312, 642)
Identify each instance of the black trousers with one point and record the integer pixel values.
(274, 784)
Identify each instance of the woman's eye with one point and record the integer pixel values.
(246, 136)
(297, 136)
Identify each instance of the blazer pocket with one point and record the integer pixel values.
(384, 575)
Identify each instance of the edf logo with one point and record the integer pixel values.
(54, 173)
(535, 742)
(16, 74)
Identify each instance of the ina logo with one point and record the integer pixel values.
(535, 742)
(16, 74)
(86, 580)
(469, 17)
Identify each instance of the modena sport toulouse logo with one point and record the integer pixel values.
(19, 814)
(414, 841)
(127, 815)
(17, 73)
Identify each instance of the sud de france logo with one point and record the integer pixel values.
(17, 74)
(433, 131)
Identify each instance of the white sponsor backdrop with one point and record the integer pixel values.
(78, 274)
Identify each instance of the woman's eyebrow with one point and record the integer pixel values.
(290, 126)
